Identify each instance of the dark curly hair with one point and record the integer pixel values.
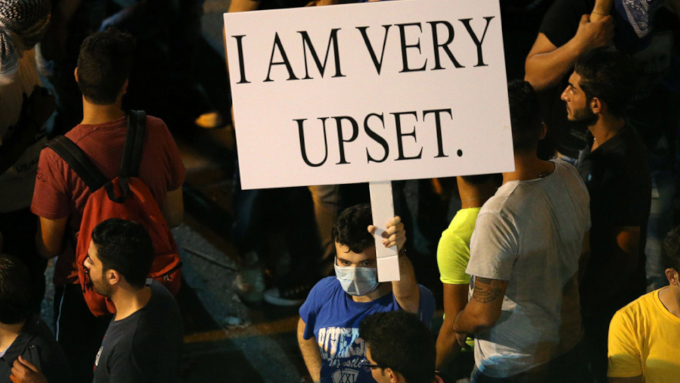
(400, 341)
(670, 254)
(15, 290)
(351, 228)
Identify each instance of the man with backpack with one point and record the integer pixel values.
(143, 341)
(72, 192)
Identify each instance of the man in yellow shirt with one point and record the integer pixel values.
(644, 336)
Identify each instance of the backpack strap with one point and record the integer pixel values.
(76, 158)
(132, 152)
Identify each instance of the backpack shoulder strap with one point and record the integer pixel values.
(76, 158)
(134, 144)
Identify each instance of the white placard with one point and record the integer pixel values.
(369, 92)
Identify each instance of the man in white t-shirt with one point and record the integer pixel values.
(524, 257)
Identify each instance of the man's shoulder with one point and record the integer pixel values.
(643, 308)
(326, 286)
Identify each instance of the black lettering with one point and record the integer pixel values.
(241, 65)
(341, 137)
(277, 43)
(404, 46)
(438, 124)
(444, 46)
(303, 148)
(478, 42)
(377, 138)
(378, 64)
(333, 40)
(400, 135)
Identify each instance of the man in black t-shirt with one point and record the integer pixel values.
(614, 168)
(23, 336)
(144, 339)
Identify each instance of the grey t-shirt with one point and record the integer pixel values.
(530, 233)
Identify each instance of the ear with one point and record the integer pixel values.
(673, 277)
(392, 375)
(597, 106)
(75, 73)
(544, 130)
(113, 277)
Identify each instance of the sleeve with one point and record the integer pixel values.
(51, 196)
(427, 306)
(176, 170)
(624, 353)
(124, 369)
(310, 309)
(494, 247)
(562, 19)
(453, 256)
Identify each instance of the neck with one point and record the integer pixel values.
(94, 114)
(8, 333)
(605, 128)
(528, 167)
(670, 298)
(382, 290)
(128, 301)
(472, 196)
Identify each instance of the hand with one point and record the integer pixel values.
(394, 235)
(24, 372)
(594, 34)
(462, 340)
(38, 108)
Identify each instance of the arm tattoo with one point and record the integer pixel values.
(486, 290)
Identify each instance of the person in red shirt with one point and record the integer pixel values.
(60, 195)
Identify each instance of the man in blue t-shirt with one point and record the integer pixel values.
(328, 331)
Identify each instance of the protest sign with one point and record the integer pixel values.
(369, 92)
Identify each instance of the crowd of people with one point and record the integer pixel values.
(566, 269)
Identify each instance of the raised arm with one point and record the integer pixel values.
(310, 352)
(547, 64)
(405, 290)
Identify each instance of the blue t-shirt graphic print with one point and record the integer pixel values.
(333, 318)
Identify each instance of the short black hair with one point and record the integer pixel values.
(670, 251)
(525, 116)
(351, 228)
(126, 247)
(104, 65)
(608, 75)
(15, 290)
(400, 341)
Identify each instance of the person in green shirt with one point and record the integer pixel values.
(453, 255)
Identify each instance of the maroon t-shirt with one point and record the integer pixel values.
(60, 193)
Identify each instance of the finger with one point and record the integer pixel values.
(394, 221)
(371, 229)
(585, 19)
(14, 379)
(28, 364)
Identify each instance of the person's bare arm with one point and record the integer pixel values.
(50, 237)
(173, 208)
(243, 5)
(310, 352)
(455, 299)
(547, 64)
(601, 9)
(405, 290)
(484, 309)
(635, 379)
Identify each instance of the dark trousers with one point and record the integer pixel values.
(566, 368)
(18, 230)
(79, 332)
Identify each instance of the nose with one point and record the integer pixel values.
(563, 96)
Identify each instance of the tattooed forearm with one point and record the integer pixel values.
(486, 290)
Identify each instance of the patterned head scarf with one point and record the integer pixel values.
(27, 19)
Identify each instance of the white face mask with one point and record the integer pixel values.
(357, 280)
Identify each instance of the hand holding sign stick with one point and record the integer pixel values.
(388, 238)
